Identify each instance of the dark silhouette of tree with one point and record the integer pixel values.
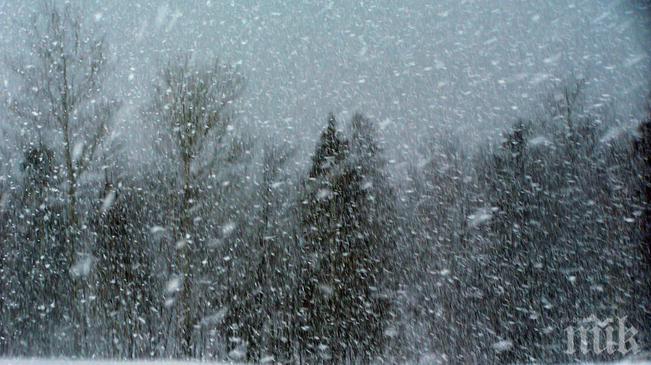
(192, 107)
(125, 280)
(321, 214)
(346, 289)
(62, 81)
(643, 151)
(62, 106)
(35, 287)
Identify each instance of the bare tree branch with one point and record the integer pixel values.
(61, 75)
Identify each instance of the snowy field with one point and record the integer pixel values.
(102, 362)
(171, 362)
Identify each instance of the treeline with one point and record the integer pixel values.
(220, 249)
(533, 236)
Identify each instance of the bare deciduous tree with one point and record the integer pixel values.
(61, 104)
(60, 99)
(191, 106)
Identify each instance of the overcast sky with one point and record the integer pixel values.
(416, 67)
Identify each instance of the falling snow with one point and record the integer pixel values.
(285, 182)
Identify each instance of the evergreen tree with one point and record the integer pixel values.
(546, 260)
(643, 149)
(366, 270)
(35, 286)
(347, 223)
(320, 221)
(124, 277)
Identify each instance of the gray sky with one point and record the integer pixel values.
(419, 68)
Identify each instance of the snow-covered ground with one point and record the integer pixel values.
(174, 362)
(103, 362)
